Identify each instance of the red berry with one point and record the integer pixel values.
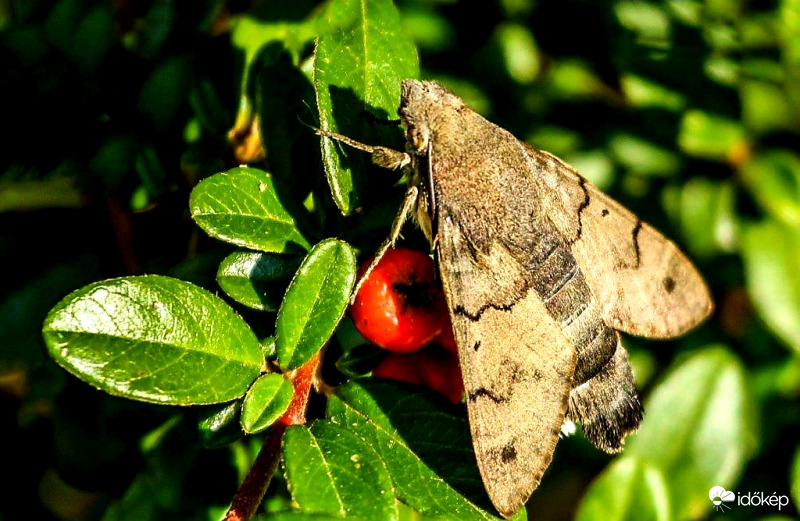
(403, 368)
(399, 306)
(446, 338)
(440, 372)
(435, 369)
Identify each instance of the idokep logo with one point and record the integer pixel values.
(719, 496)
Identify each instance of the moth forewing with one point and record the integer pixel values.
(517, 367)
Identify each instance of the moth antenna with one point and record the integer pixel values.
(409, 201)
(313, 114)
(346, 140)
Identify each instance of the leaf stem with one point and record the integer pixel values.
(251, 492)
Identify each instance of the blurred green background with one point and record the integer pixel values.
(688, 112)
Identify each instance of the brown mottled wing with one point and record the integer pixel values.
(516, 363)
(644, 284)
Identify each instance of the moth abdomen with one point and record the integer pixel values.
(560, 283)
(607, 405)
(603, 398)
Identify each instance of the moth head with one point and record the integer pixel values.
(422, 104)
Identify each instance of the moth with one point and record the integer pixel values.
(541, 271)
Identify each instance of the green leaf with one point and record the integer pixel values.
(360, 360)
(219, 425)
(315, 302)
(424, 442)
(241, 206)
(265, 402)
(643, 157)
(290, 146)
(519, 52)
(629, 489)
(361, 58)
(644, 93)
(330, 470)
(250, 35)
(257, 280)
(154, 339)
(34, 194)
(705, 211)
(166, 90)
(765, 107)
(21, 311)
(297, 516)
(774, 180)
(695, 429)
(709, 136)
(159, 489)
(770, 252)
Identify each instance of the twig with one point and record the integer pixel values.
(249, 496)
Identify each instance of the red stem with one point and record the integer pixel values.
(249, 496)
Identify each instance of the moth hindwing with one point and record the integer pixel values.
(541, 271)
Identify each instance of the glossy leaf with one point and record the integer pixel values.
(315, 302)
(219, 425)
(424, 442)
(695, 429)
(257, 280)
(361, 58)
(770, 252)
(154, 339)
(241, 206)
(629, 489)
(330, 470)
(360, 360)
(297, 516)
(265, 402)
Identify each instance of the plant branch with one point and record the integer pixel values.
(250, 494)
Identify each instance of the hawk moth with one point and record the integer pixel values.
(541, 271)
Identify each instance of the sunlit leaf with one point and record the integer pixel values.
(330, 470)
(770, 252)
(257, 280)
(630, 489)
(265, 402)
(154, 339)
(315, 302)
(695, 429)
(361, 58)
(242, 206)
(425, 444)
(710, 136)
(774, 180)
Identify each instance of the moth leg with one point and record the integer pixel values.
(409, 202)
(381, 156)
